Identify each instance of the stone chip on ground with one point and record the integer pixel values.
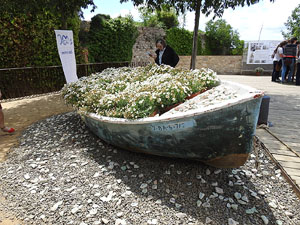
(60, 187)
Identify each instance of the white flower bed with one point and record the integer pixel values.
(136, 92)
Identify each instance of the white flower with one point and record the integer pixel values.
(116, 92)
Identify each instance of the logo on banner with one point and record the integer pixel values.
(65, 40)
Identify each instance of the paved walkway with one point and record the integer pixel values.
(282, 139)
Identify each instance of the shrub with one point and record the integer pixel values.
(111, 40)
(29, 40)
(259, 70)
(181, 41)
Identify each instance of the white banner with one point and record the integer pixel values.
(65, 46)
(260, 52)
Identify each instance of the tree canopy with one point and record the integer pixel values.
(165, 17)
(222, 39)
(207, 7)
(293, 24)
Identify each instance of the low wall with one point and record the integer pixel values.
(220, 64)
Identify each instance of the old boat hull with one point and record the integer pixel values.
(221, 136)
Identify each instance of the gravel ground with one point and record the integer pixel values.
(62, 174)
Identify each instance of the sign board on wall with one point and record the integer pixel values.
(259, 52)
(65, 46)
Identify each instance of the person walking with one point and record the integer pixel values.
(2, 126)
(277, 61)
(289, 58)
(164, 54)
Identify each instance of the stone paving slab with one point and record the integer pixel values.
(280, 151)
(296, 179)
(289, 161)
(293, 172)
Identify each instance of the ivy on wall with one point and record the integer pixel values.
(111, 40)
(28, 40)
(181, 41)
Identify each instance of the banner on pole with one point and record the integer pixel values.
(65, 46)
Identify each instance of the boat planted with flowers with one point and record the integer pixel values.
(215, 127)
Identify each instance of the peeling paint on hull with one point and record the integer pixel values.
(221, 138)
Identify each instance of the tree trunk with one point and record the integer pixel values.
(195, 36)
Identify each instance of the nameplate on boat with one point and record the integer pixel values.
(172, 126)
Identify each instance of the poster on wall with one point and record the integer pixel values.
(260, 52)
(65, 46)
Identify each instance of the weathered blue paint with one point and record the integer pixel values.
(204, 137)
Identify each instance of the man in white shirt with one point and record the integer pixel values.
(277, 61)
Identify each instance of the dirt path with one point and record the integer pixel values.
(20, 114)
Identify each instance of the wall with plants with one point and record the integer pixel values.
(111, 40)
(28, 40)
(181, 41)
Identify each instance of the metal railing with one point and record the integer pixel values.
(20, 82)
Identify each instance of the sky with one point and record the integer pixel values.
(262, 21)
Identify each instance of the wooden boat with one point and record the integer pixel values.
(220, 135)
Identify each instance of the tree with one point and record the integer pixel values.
(181, 41)
(111, 40)
(221, 39)
(148, 18)
(63, 9)
(205, 6)
(293, 24)
(165, 17)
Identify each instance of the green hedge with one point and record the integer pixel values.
(28, 40)
(181, 41)
(111, 40)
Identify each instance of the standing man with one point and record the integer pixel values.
(277, 61)
(289, 58)
(165, 54)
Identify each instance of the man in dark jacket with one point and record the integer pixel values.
(165, 54)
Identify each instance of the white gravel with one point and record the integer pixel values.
(62, 174)
(214, 96)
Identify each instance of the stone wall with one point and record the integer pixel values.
(145, 42)
(220, 64)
